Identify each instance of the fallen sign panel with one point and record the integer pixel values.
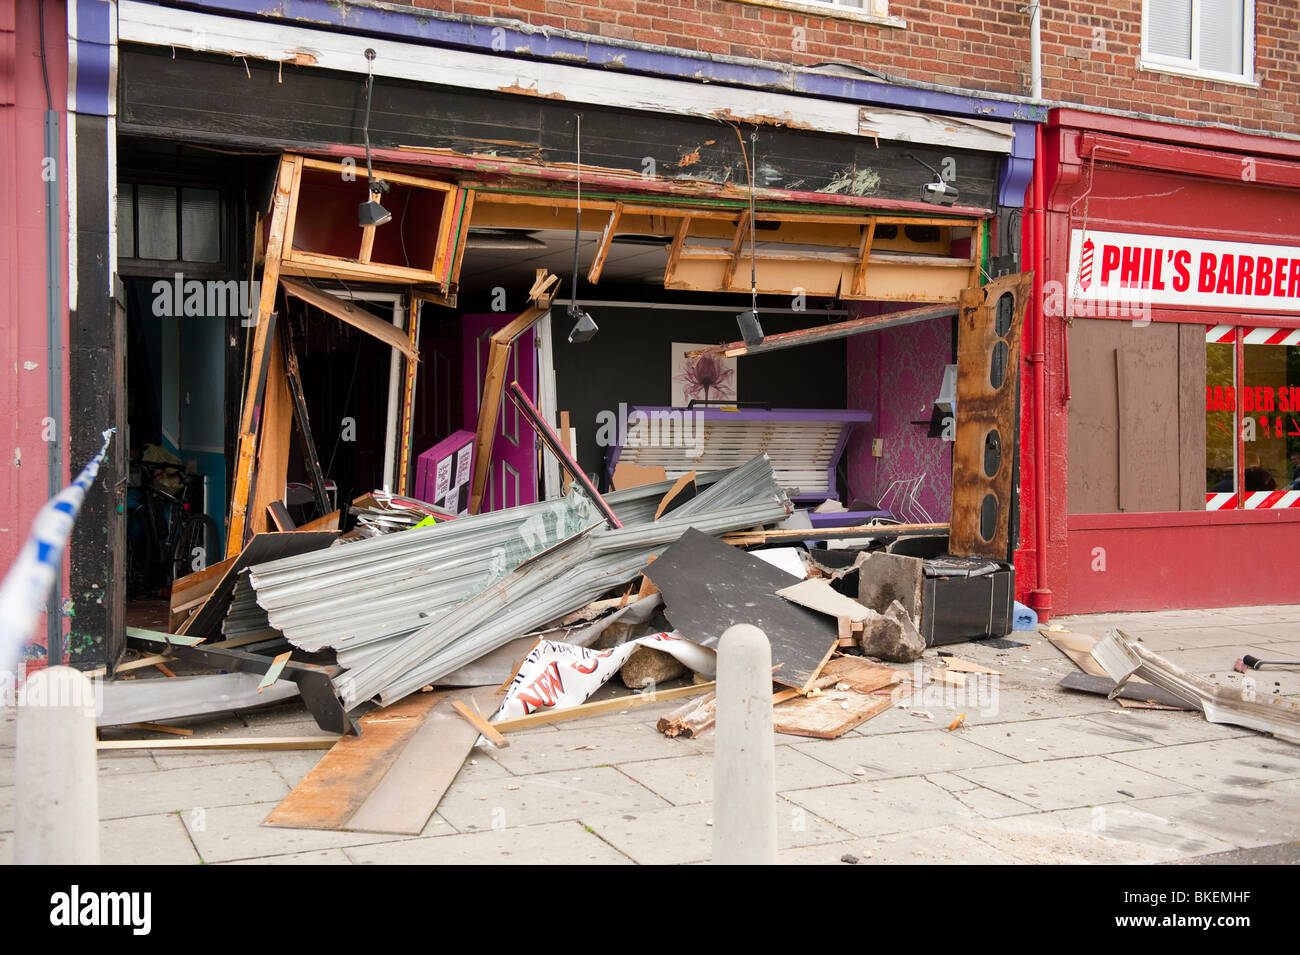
(1122, 657)
(709, 586)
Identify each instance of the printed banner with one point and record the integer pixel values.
(30, 580)
(560, 675)
(1163, 270)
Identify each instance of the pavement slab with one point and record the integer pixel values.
(555, 843)
(904, 754)
(689, 779)
(1073, 782)
(940, 845)
(578, 746)
(146, 840)
(883, 806)
(229, 833)
(682, 834)
(207, 787)
(1264, 816)
(516, 801)
(1220, 765)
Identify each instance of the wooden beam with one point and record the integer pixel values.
(408, 400)
(613, 705)
(353, 315)
(859, 285)
(606, 239)
(223, 742)
(462, 237)
(387, 175)
(367, 244)
(675, 250)
(275, 434)
(290, 169)
(753, 538)
(306, 443)
(479, 723)
(737, 246)
(822, 333)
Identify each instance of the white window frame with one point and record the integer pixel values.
(871, 11)
(1179, 66)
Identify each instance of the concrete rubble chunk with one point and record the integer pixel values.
(891, 636)
(649, 667)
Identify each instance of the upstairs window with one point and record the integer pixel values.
(1212, 39)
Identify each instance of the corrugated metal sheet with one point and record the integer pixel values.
(405, 609)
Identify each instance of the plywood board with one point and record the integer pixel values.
(957, 665)
(709, 586)
(410, 791)
(329, 795)
(634, 475)
(829, 715)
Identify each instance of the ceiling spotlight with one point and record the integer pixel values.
(585, 327)
(939, 192)
(371, 212)
(750, 329)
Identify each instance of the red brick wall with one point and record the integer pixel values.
(982, 45)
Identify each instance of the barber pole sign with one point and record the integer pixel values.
(1174, 271)
(1255, 500)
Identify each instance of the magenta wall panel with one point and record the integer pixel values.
(895, 374)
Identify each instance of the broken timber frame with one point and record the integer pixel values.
(494, 381)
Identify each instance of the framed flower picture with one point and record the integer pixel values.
(709, 377)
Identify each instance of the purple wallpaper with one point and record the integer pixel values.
(895, 374)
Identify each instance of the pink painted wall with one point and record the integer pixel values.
(23, 358)
(895, 374)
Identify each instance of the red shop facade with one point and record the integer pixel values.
(1165, 367)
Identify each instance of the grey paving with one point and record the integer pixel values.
(1032, 774)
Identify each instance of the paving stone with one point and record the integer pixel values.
(1150, 837)
(1044, 839)
(6, 808)
(682, 834)
(902, 754)
(438, 826)
(146, 840)
(555, 844)
(1220, 765)
(1069, 783)
(6, 848)
(543, 797)
(236, 832)
(883, 806)
(1169, 727)
(318, 857)
(990, 804)
(689, 779)
(294, 765)
(147, 794)
(945, 845)
(138, 763)
(1067, 736)
(948, 781)
(578, 747)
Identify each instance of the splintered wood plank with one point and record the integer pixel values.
(958, 665)
(329, 795)
(862, 675)
(828, 715)
(410, 791)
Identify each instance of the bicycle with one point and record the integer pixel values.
(168, 536)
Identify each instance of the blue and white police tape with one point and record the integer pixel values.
(30, 580)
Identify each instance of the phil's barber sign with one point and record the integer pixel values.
(1161, 270)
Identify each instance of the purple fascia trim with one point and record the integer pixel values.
(844, 518)
(505, 37)
(94, 50)
(1018, 168)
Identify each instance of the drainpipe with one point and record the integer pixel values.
(1040, 598)
(1035, 51)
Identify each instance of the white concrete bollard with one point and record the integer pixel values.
(744, 752)
(56, 785)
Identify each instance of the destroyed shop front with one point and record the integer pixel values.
(550, 311)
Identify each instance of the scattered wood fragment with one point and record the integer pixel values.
(948, 678)
(274, 670)
(692, 719)
(862, 675)
(957, 722)
(483, 726)
(958, 665)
